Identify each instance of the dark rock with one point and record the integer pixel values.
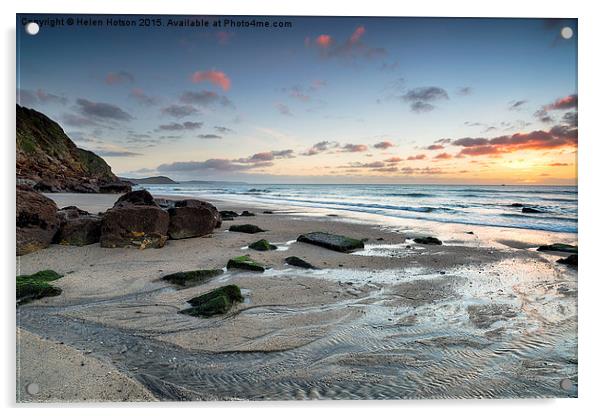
(192, 218)
(428, 240)
(115, 188)
(569, 261)
(135, 220)
(36, 286)
(192, 277)
(36, 220)
(262, 245)
(517, 205)
(247, 214)
(141, 197)
(332, 241)
(228, 215)
(564, 248)
(77, 227)
(245, 263)
(298, 262)
(165, 203)
(470, 232)
(268, 212)
(246, 228)
(529, 210)
(216, 302)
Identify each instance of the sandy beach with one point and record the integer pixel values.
(483, 315)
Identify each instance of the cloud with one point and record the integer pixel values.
(223, 130)
(394, 160)
(564, 103)
(559, 164)
(119, 77)
(268, 156)
(116, 153)
(559, 136)
(353, 148)
(102, 110)
(383, 145)
(283, 109)
(179, 111)
(417, 157)
(421, 171)
(464, 91)
(142, 98)
(435, 147)
(516, 105)
(205, 99)
(217, 78)
(224, 165)
(320, 147)
(353, 47)
(570, 118)
(443, 156)
(187, 125)
(209, 136)
(77, 121)
(30, 98)
(420, 99)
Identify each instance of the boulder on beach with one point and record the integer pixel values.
(192, 218)
(246, 228)
(529, 210)
(135, 220)
(77, 227)
(192, 277)
(228, 215)
(564, 248)
(517, 205)
(298, 262)
(428, 240)
(245, 263)
(216, 302)
(247, 214)
(268, 212)
(36, 220)
(332, 241)
(262, 245)
(115, 188)
(569, 261)
(36, 286)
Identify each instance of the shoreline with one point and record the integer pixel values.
(425, 311)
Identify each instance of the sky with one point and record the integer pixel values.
(311, 99)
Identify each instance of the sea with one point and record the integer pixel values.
(488, 205)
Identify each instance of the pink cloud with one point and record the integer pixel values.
(324, 41)
(417, 157)
(383, 145)
(357, 34)
(217, 78)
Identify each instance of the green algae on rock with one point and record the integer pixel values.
(192, 277)
(36, 286)
(262, 245)
(216, 302)
(245, 263)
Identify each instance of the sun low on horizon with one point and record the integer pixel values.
(316, 99)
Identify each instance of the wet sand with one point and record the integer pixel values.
(484, 315)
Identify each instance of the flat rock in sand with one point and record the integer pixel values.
(332, 241)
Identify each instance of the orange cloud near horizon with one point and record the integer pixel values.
(217, 78)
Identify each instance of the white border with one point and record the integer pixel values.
(590, 292)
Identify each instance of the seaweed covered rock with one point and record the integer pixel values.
(36, 220)
(332, 241)
(428, 240)
(560, 247)
(135, 220)
(192, 218)
(192, 277)
(36, 286)
(262, 245)
(246, 228)
(569, 261)
(77, 227)
(298, 262)
(218, 301)
(245, 263)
